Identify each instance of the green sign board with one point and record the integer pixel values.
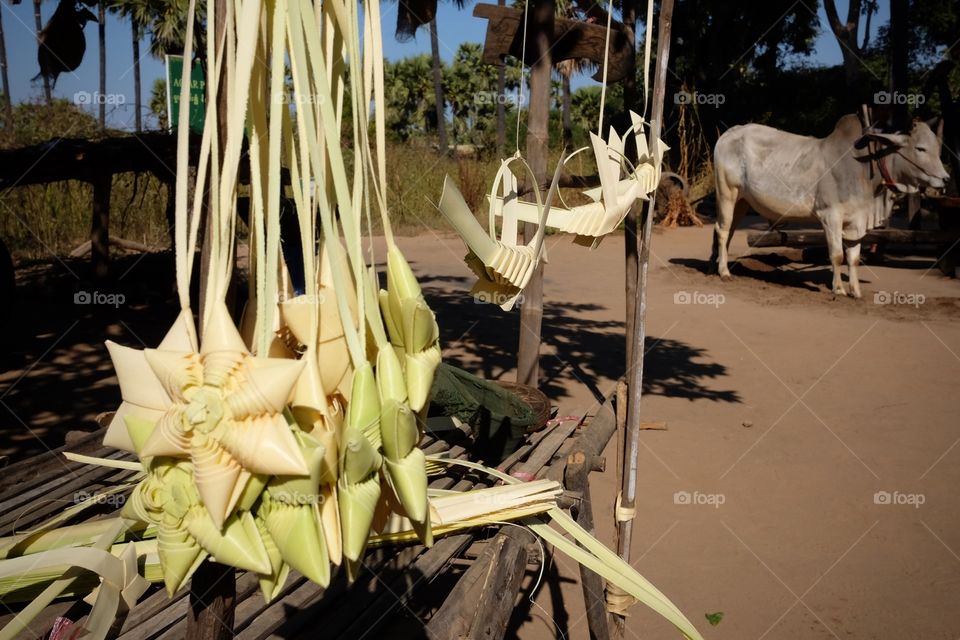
(198, 92)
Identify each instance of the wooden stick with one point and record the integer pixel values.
(635, 371)
(538, 142)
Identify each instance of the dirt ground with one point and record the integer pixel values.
(805, 486)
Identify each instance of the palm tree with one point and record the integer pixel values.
(102, 37)
(133, 10)
(411, 15)
(7, 104)
(38, 24)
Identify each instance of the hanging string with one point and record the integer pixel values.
(523, 56)
(606, 58)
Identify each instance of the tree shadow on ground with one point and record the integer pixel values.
(55, 373)
(579, 348)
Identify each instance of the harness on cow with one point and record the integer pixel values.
(877, 156)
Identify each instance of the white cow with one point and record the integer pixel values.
(842, 180)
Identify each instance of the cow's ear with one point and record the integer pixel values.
(936, 125)
(888, 139)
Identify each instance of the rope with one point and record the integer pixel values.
(623, 514)
(618, 600)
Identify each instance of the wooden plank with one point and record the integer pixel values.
(401, 590)
(480, 604)
(816, 238)
(578, 481)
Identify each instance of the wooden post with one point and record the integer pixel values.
(635, 370)
(539, 32)
(213, 586)
(213, 594)
(100, 226)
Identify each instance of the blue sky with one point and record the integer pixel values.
(455, 26)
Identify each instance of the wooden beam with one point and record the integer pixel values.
(480, 604)
(213, 594)
(817, 238)
(568, 40)
(100, 226)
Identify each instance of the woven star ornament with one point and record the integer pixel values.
(217, 406)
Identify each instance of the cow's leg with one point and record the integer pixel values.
(853, 259)
(729, 215)
(835, 249)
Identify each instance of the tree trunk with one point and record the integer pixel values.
(899, 80)
(102, 36)
(7, 102)
(565, 108)
(137, 100)
(846, 35)
(438, 88)
(38, 23)
(538, 141)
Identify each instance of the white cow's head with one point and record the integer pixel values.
(918, 164)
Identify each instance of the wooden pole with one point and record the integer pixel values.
(539, 32)
(628, 489)
(213, 586)
(100, 226)
(213, 595)
(630, 225)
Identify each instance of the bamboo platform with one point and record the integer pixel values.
(479, 566)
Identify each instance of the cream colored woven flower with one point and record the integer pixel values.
(219, 407)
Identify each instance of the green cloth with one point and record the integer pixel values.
(498, 418)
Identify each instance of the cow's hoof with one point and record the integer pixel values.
(856, 295)
(726, 277)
